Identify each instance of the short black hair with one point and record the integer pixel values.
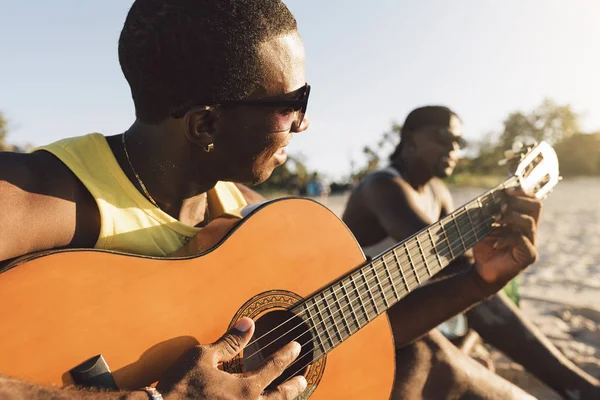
(422, 117)
(178, 53)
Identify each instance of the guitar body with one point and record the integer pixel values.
(141, 313)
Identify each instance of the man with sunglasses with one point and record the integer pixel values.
(391, 205)
(219, 89)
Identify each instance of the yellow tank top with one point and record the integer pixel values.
(129, 222)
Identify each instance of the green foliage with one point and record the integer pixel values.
(4, 145)
(288, 178)
(579, 154)
(549, 121)
(381, 150)
(3, 132)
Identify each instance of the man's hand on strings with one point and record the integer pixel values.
(511, 247)
(196, 374)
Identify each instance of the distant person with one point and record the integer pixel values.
(317, 186)
(399, 200)
(324, 189)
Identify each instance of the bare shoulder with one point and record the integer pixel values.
(385, 184)
(439, 186)
(251, 196)
(443, 193)
(34, 173)
(40, 197)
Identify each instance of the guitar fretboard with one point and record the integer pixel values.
(341, 309)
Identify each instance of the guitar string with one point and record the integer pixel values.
(457, 214)
(376, 303)
(359, 296)
(376, 276)
(335, 322)
(377, 263)
(460, 212)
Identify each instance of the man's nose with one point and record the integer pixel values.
(303, 126)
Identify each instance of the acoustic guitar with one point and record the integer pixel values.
(109, 319)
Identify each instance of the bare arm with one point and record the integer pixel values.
(11, 389)
(450, 292)
(502, 255)
(41, 202)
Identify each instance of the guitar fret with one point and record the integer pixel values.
(410, 261)
(331, 312)
(446, 238)
(360, 300)
(321, 316)
(315, 326)
(466, 227)
(351, 306)
(472, 224)
(423, 255)
(340, 310)
(437, 255)
(458, 231)
(401, 271)
(389, 274)
(362, 273)
(483, 217)
(385, 302)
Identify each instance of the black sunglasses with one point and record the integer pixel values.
(298, 104)
(447, 136)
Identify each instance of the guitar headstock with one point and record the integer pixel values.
(537, 169)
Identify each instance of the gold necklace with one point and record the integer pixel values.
(137, 176)
(206, 209)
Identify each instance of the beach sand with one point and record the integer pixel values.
(561, 292)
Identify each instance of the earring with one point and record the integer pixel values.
(209, 147)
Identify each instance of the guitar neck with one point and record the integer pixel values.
(341, 309)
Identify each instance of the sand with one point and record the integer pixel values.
(561, 292)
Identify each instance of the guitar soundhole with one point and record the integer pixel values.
(274, 330)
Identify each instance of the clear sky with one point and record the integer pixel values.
(369, 63)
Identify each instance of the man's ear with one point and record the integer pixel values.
(200, 124)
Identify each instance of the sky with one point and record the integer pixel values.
(368, 64)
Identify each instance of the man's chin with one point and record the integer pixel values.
(262, 176)
(444, 173)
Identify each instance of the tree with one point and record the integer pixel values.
(4, 145)
(380, 150)
(579, 154)
(548, 121)
(3, 132)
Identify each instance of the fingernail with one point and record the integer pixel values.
(496, 244)
(303, 382)
(243, 325)
(297, 349)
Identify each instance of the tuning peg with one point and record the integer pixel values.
(509, 155)
(517, 147)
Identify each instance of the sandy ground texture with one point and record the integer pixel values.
(561, 292)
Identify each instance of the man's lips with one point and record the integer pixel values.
(448, 161)
(280, 155)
